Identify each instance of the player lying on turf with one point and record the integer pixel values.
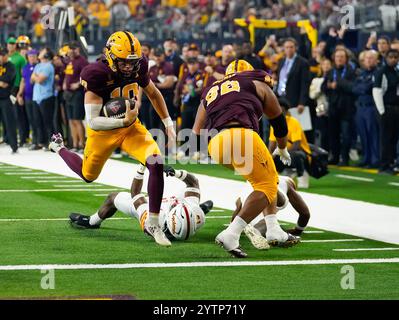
(180, 217)
(119, 74)
(257, 229)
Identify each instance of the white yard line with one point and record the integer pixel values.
(50, 219)
(46, 177)
(90, 186)
(58, 181)
(24, 173)
(396, 184)
(195, 264)
(315, 231)
(344, 176)
(11, 167)
(61, 190)
(366, 249)
(217, 210)
(352, 217)
(66, 219)
(333, 240)
(100, 194)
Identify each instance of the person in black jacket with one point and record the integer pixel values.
(294, 80)
(338, 89)
(293, 76)
(386, 98)
(8, 113)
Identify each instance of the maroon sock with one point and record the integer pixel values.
(154, 165)
(73, 161)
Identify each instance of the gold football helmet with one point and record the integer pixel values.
(238, 66)
(123, 53)
(23, 42)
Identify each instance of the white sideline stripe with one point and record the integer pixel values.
(90, 186)
(327, 212)
(60, 190)
(24, 173)
(194, 264)
(66, 219)
(344, 176)
(100, 194)
(217, 210)
(313, 231)
(57, 181)
(333, 240)
(46, 177)
(50, 219)
(366, 249)
(15, 168)
(396, 184)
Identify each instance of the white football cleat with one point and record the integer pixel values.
(156, 232)
(230, 243)
(257, 240)
(57, 143)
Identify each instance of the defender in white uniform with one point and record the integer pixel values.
(256, 230)
(179, 217)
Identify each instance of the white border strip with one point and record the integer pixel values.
(66, 219)
(62, 190)
(333, 240)
(344, 176)
(194, 264)
(366, 249)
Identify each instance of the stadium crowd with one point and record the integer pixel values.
(352, 97)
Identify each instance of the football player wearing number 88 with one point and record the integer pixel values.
(180, 217)
(232, 107)
(119, 74)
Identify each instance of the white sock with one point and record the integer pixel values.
(274, 229)
(153, 219)
(237, 226)
(95, 220)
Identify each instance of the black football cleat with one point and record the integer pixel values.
(290, 242)
(81, 221)
(206, 206)
(170, 172)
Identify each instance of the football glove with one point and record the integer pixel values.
(284, 155)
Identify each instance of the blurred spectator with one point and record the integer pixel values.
(164, 79)
(172, 56)
(249, 56)
(60, 118)
(7, 78)
(366, 112)
(315, 92)
(297, 146)
(218, 72)
(74, 95)
(120, 13)
(98, 11)
(383, 45)
(19, 62)
(25, 96)
(341, 109)
(386, 98)
(43, 96)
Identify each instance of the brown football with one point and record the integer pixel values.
(116, 108)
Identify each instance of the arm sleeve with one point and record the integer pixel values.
(97, 122)
(378, 94)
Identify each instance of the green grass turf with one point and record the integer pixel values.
(331, 185)
(121, 241)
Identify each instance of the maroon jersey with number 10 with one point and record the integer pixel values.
(100, 79)
(234, 99)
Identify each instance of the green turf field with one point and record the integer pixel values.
(34, 231)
